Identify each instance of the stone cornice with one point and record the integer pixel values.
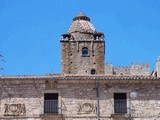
(78, 77)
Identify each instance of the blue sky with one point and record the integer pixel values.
(30, 32)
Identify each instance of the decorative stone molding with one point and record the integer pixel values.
(86, 108)
(14, 109)
(42, 79)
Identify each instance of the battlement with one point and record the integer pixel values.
(134, 69)
(140, 69)
(124, 70)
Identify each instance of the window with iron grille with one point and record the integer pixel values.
(51, 103)
(120, 103)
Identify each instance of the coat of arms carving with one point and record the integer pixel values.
(14, 109)
(86, 108)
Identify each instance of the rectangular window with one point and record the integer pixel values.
(120, 103)
(51, 103)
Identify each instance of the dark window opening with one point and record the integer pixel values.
(120, 103)
(156, 74)
(85, 52)
(51, 103)
(121, 73)
(93, 71)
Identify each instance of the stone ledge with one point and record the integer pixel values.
(17, 117)
(51, 115)
(120, 115)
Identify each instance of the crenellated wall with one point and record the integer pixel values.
(134, 69)
(121, 70)
(140, 69)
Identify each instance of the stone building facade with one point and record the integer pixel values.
(87, 89)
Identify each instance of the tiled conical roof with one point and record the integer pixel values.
(81, 23)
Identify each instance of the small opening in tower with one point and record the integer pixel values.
(85, 51)
(93, 71)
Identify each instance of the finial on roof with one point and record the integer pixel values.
(81, 16)
(81, 23)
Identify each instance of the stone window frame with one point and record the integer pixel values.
(118, 90)
(93, 71)
(59, 100)
(85, 55)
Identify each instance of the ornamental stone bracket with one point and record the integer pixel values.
(86, 108)
(14, 109)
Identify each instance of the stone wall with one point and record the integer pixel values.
(140, 69)
(158, 67)
(74, 63)
(109, 69)
(134, 69)
(121, 70)
(25, 95)
(77, 99)
(146, 104)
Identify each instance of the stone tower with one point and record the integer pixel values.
(82, 48)
(158, 67)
